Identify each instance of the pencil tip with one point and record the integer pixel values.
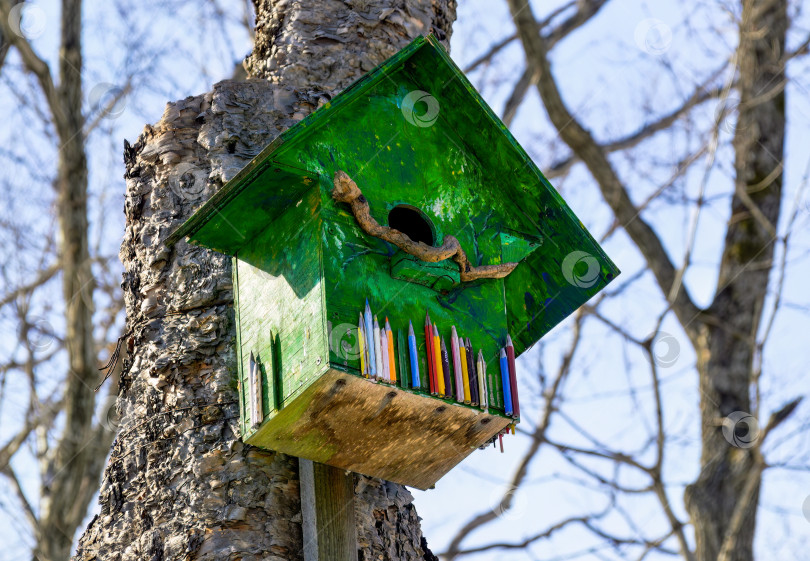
(508, 341)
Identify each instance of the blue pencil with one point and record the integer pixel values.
(369, 334)
(414, 357)
(507, 390)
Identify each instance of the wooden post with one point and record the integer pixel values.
(327, 509)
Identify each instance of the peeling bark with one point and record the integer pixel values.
(180, 484)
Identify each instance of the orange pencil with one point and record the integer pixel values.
(391, 359)
(437, 358)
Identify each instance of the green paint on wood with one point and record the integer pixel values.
(414, 134)
(280, 304)
(440, 277)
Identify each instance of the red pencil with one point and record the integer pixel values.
(510, 357)
(429, 351)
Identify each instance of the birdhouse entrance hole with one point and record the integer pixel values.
(412, 222)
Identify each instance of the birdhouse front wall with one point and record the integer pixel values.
(432, 171)
(358, 266)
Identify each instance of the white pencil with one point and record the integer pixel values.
(377, 349)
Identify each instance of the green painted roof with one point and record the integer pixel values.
(415, 131)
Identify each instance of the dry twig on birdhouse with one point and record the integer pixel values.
(347, 191)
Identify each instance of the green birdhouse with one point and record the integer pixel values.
(405, 191)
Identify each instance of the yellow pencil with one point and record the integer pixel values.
(465, 380)
(362, 350)
(437, 350)
(391, 360)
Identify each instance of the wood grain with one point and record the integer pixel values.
(377, 430)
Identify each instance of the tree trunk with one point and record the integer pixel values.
(731, 469)
(180, 484)
(71, 476)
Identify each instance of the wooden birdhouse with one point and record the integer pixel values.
(405, 191)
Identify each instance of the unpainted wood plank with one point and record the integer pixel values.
(378, 430)
(327, 510)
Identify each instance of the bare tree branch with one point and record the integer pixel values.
(586, 9)
(698, 97)
(583, 144)
(42, 277)
(454, 549)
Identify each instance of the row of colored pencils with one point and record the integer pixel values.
(377, 359)
(465, 380)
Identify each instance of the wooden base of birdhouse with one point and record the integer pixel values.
(378, 430)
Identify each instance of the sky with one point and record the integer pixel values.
(635, 59)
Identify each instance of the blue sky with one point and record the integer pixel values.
(635, 60)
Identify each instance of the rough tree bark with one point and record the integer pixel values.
(180, 484)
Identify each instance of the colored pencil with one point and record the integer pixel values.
(392, 370)
(456, 364)
(437, 362)
(507, 390)
(462, 351)
(448, 392)
(414, 356)
(402, 359)
(384, 364)
(378, 350)
(482, 382)
(431, 355)
(510, 357)
(252, 389)
(446, 370)
(361, 347)
(372, 357)
(472, 375)
(389, 343)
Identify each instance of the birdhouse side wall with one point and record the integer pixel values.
(280, 309)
